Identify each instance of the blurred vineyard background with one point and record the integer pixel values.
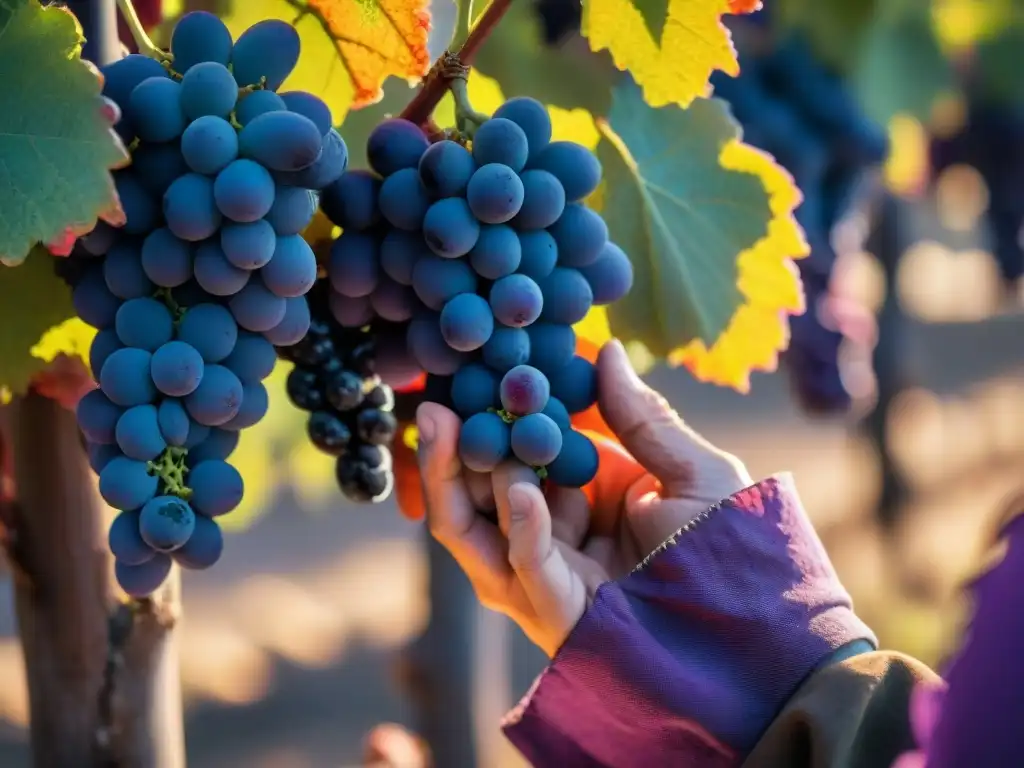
(292, 649)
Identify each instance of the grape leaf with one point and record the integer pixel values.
(349, 47)
(655, 14)
(56, 148)
(707, 222)
(675, 68)
(33, 300)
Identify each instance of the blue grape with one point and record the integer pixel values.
(101, 455)
(399, 252)
(516, 301)
(155, 110)
(403, 200)
(126, 483)
(581, 235)
(119, 80)
(543, 201)
(219, 444)
(140, 210)
(255, 403)
(123, 272)
(395, 144)
(281, 141)
(156, 166)
(328, 168)
(501, 141)
(427, 346)
(100, 240)
(244, 191)
(507, 348)
(531, 116)
(575, 166)
(292, 270)
(173, 420)
(351, 201)
(437, 281)
(253, 358)
(567, 296)
(216, 487)
(292, 210)
(576, 464)
(166, 258)
(395, 366)
(103, 345)
(310, 106)
(197, 434)
(466, 322)
(252, 105)
(449, 228)
(393, 302)
(144, 323)
(524, 390)
(575, 384)
(257, 309)
(268, 49)
(445, 169)
(536, 440)
(611, 276)
(93, 302)
(214, 273)
(126, 543)
(497, 252)
(208, 89)
(495, 194)
(125, 377)
(166, 522)
(138, 433)
(353, 267)
(293, 326)
(177, 368)
(210, 329)
(190, 208)
(474, 390)
(217, 398)
(250, 245)
(484, 442)
(142, 580)
(349, 312)
(558, 413)
(209, 144)
(540, 254)
(552, 346)
(97, 417)
(203, 548)
(199, 36)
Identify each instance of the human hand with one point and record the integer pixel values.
(543, 562)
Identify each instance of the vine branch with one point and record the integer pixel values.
(142, 39)
(437, 83)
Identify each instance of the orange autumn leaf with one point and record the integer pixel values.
(744, 6)
(377, 39)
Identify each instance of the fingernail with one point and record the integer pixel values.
(426, 428)
(519, 503)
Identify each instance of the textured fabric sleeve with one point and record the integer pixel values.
(687, 661)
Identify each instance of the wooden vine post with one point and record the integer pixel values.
(103, 680)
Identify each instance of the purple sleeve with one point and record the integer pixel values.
(686, 661)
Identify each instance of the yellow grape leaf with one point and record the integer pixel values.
(707, 222)
(349, 47)
(675, 68)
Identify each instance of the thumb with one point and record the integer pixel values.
(645, 423)
(555, 592)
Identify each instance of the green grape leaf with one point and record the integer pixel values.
(32, 301)
(569, 76)
(655, 14)
(681, 216)
(56, 148)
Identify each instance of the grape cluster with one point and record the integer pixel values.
(790, 106)
(486, 257)
(334, 379)
(207, 275)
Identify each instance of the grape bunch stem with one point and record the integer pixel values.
(142, 40)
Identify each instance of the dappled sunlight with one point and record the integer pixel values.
(223, 665)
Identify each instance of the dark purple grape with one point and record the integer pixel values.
(328, 433)
(381, 397)
(361, 483)
(344, 391)
(362, 359)
(303, 388)
(376, 427)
